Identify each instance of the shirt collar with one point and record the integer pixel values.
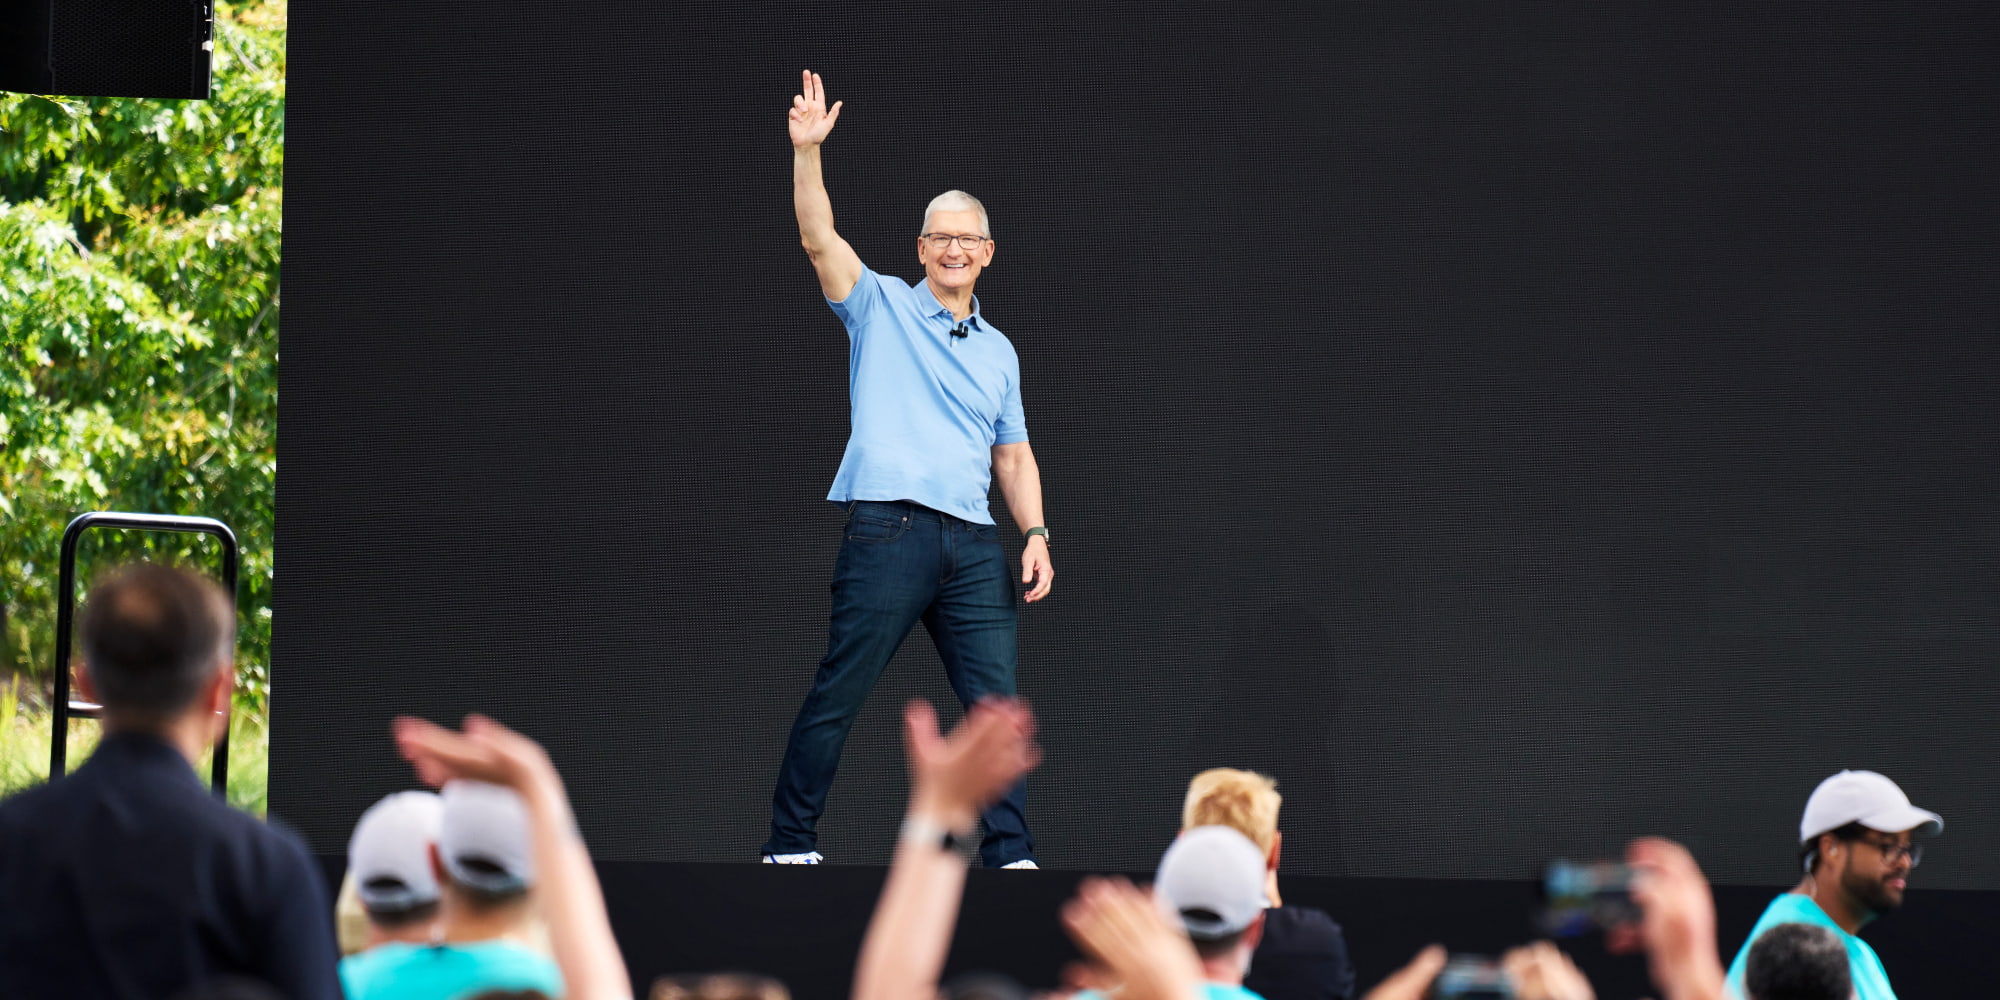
(129, 748)
(972, 321)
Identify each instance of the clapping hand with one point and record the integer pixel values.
(1131, 943)
(485, 751)
(953, 777)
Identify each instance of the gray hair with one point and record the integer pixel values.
(957, 201)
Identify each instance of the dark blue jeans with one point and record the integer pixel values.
(903, 563)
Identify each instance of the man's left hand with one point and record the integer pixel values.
(1036, 568)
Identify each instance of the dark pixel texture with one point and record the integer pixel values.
(128, 48)
(1514, 427)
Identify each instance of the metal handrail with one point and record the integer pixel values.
(66, 615)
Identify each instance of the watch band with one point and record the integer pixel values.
(1044, 532)
(924, 832)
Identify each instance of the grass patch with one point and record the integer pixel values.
(24, 751)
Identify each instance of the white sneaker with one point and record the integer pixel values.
(1025, 864)
(808, 858)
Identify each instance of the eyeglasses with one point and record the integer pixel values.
(942, 241)
(1893, 852)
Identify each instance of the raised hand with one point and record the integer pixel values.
(1677, 929)
(1540, 971)
(953, 777)
(1131, 942)
(810, 119)
(484, 751)
(1412, 981)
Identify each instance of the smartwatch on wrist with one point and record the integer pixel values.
(1044, 532)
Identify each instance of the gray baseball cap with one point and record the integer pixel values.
(1212, 878)
(390, 852)
(1869, 799)
(484, 843)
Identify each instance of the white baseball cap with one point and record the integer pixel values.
(484, 842)
(390, 852)
(1212, 878)
(1866, 798)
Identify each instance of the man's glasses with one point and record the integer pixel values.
(942, 241)
(1893, 852)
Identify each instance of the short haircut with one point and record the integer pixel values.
(409, 916)
(1244, 801)
(1210, 949)
(1798, 962)
(152, 636)
(957, 201)
(1809, 851)
(479, 898)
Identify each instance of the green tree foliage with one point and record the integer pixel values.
(139, 329)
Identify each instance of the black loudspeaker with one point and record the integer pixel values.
(106, 48)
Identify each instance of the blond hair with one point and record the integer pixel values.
(1244, 801)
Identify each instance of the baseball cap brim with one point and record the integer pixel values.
(1922, 822)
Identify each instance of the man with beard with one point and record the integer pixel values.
(1856, 846)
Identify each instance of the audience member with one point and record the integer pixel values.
(1676, 921)
(1412, 981)
(951, 780)
(1676, 931)
(484, 867)
(1213, 877)
(389, 864)
(128, 878)
(571, 900)
(1302, 954)
(1540, 971)
(1797, 962)
(1856, 846)
(1132, 942)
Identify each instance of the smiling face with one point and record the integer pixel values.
(953, 268)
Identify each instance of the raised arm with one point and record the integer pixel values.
(951, 779)
(810, 120)
(568, 892)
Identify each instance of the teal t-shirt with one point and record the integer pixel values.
(447, 971)
(1209, 991)
(1871, 982)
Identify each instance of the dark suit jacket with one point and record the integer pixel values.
(1302, 957)
(129, 880)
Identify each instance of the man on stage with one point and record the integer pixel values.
(934, 392)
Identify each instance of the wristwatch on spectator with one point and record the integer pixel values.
(925, 832)
(1044, 532)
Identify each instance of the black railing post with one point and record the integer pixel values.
(66, 617)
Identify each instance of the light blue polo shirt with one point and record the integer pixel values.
(1871, 981)
(926, 408)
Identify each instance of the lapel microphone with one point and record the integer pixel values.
(960, 331)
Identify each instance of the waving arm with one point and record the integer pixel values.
(809, 121)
